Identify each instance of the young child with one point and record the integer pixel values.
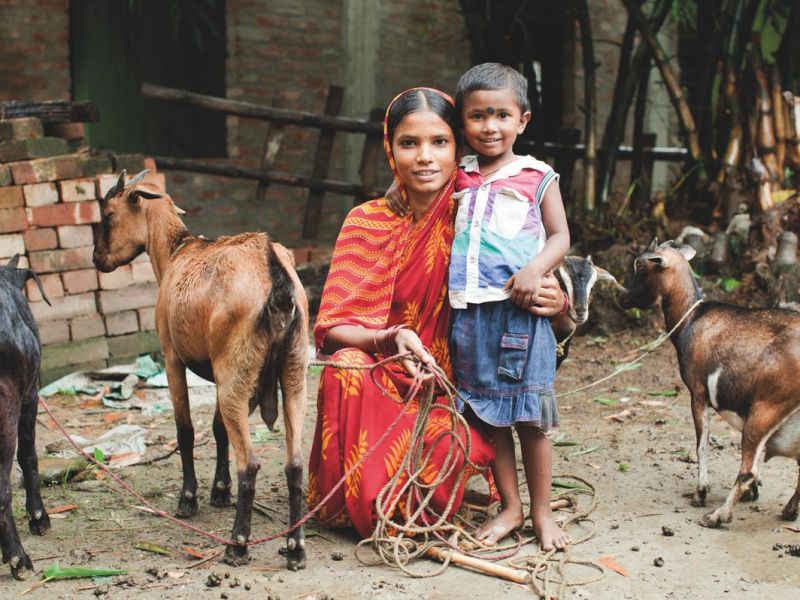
(510, 230)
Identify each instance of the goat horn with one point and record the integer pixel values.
(653, 245)
(12, 264)
(120, 185)
(138, 177)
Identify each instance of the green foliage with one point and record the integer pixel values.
(684, 12)
(729, 284)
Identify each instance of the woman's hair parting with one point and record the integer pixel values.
(493, 76)
(418, 100)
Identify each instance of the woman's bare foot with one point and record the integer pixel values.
(494, 530)
(548, 532)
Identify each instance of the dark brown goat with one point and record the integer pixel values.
(20, 354)
(233, 311)
(741, 362)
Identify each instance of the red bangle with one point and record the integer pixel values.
(385, 340)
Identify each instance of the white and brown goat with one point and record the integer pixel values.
(576, 276)
(741, 362)
(233, 311)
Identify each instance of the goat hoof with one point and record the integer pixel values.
(711, 520)
(789, 513)
(187, 508)
(698, 499)
(296, 559)
(39, 526)
(20, 565)
(237, 556)
(751, 493)
(220, 498)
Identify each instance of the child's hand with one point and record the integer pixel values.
(525, 285)
(395, 201)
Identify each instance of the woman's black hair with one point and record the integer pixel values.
(418, 100)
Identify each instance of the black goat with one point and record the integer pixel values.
(20, 354)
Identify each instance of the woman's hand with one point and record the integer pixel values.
(408, 341)
(395, 201)
(551, 298)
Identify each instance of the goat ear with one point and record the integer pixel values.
(658, 260)
(12, 264)
(134, 196)
(687, 251)
(31, 274)
(603, 275)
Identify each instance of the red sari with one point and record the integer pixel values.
(386, 270)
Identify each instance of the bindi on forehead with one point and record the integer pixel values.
(489, 110)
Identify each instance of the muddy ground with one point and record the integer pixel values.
(643, 468)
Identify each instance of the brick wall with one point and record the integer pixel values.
(48, 203)
(34, 50)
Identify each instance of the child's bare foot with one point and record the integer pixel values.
(547, 530)
(491, 532)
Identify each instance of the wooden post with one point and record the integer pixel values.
(272, 143)
(642, 171)
(322, 161)
(370, 157)
(565, 162)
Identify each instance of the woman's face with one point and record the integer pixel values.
(424, 151)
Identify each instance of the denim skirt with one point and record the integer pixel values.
(504, 360)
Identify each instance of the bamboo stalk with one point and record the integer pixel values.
(766, 128)
(778, 117)
(482, 566)
(793, 139)
(589, 105)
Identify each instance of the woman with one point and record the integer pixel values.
(386, 293)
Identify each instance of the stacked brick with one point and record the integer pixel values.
(49, 192)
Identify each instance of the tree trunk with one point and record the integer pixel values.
(639, 111)
(674, 89)
(589, 106)
(615, 126)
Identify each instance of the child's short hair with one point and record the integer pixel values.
(493, 76)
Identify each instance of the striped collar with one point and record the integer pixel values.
(470, 165)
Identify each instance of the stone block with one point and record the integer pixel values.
(133, 344)
(68, 353)
(5, 176)
(28, 128)
(15, 150)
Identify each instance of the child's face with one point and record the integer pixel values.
(492, 121)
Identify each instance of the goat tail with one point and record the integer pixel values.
(279, 320)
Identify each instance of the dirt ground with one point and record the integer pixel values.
(643, 468)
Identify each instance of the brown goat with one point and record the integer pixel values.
(233, 311)
(741, 362)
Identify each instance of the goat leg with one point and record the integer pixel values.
(12, 550)
(700, 413)
(176, 378)
(38, 520)
(293, 384)
(757, 428)
(221, 488)
(790, 510)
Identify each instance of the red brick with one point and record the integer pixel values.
(74, 213)
(143, 272)
(301, 255)
(11, 197)
(40, 194)
(67, 166)
(76, 190)
(52, 332)
(122, 322)
(64, 308)
(135, 296)
(150, 165)
(147, 318)
(87, 326)
(22, 261)
(13, 219)
(72, 259)
(76, 282)
(105, 183)
(40, 239)
(157, 179)
(28, 128)
(118, 278)
(67, 131)
(5, 176)
(73, 236)
(11, 244)
(52, 287)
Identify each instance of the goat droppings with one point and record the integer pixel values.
(659, 562)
